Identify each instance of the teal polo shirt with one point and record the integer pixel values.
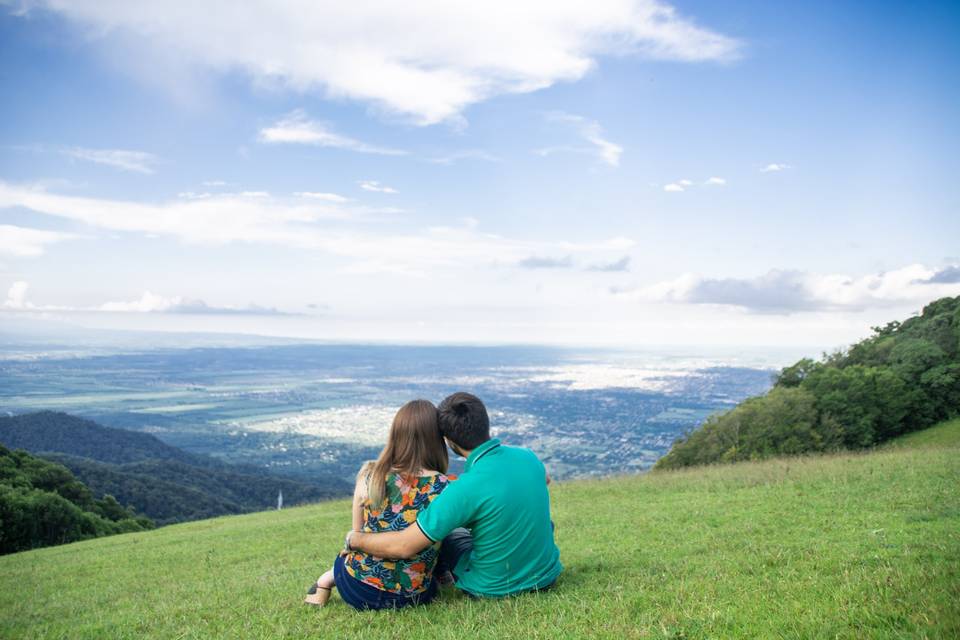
(502, 498)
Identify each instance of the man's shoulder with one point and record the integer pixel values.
(520, 461)
(520, 453)
(514, 449)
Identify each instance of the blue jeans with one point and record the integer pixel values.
(453, 547)
(362, 596)
(457, 544)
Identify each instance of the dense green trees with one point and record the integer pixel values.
(169, 491)
(42, 503)
(163, 482)
(904, 377)
(64, 433)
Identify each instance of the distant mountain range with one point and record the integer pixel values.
(162, 482)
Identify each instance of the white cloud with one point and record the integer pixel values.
(17, 300)
(153, 303)
(609, 152)
(213, 219)
(623, 264)
(147, 303)
(376, 187)
(618, 243)
(426, 60)
(317, 195)
(546, 262)
(26, 242)
(297, 128)
(947, 275)
(683, 185)
(775, 167)
(17, 296)
(468, 154)
(214, 183)
(785, 291)
(17, 303)
(300, 224)
(125, 160)
(590, 130)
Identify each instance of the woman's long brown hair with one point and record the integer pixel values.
(414, 443)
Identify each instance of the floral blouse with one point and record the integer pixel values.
(396, 512)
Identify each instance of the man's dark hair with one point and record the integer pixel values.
(464, 420)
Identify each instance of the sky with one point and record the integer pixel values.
(618, 172)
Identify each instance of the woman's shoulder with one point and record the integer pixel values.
(438, 481)
(430, 482)
(366, 469)
(398, 485)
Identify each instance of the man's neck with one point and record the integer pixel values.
(466, 452)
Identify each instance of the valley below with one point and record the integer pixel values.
(301, 410)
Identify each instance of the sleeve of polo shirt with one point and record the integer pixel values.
(451, 509)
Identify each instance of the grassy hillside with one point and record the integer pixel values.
(843, 546)
(943, 435)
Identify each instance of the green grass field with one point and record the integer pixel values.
(845, 546)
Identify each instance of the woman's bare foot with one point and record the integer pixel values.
(325, 585)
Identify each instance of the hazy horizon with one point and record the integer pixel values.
(34, 338)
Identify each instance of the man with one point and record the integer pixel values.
(494, 521)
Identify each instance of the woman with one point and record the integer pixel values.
(389, 494)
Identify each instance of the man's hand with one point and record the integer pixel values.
(395, 545)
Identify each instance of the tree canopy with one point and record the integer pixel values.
(904, 377)
(42, 504)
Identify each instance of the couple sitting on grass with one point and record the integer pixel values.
(488, 531)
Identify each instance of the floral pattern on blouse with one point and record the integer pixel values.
(397, 511)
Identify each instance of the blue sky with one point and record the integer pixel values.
(578, 173)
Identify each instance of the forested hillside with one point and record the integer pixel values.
(64, 433)
(172, 491)
(158, 480)
(42, 504)
(904, 377)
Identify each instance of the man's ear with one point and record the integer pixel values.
(457, 450)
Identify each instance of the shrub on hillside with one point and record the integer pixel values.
(904, 377)
(42, 504)
(783, 422)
